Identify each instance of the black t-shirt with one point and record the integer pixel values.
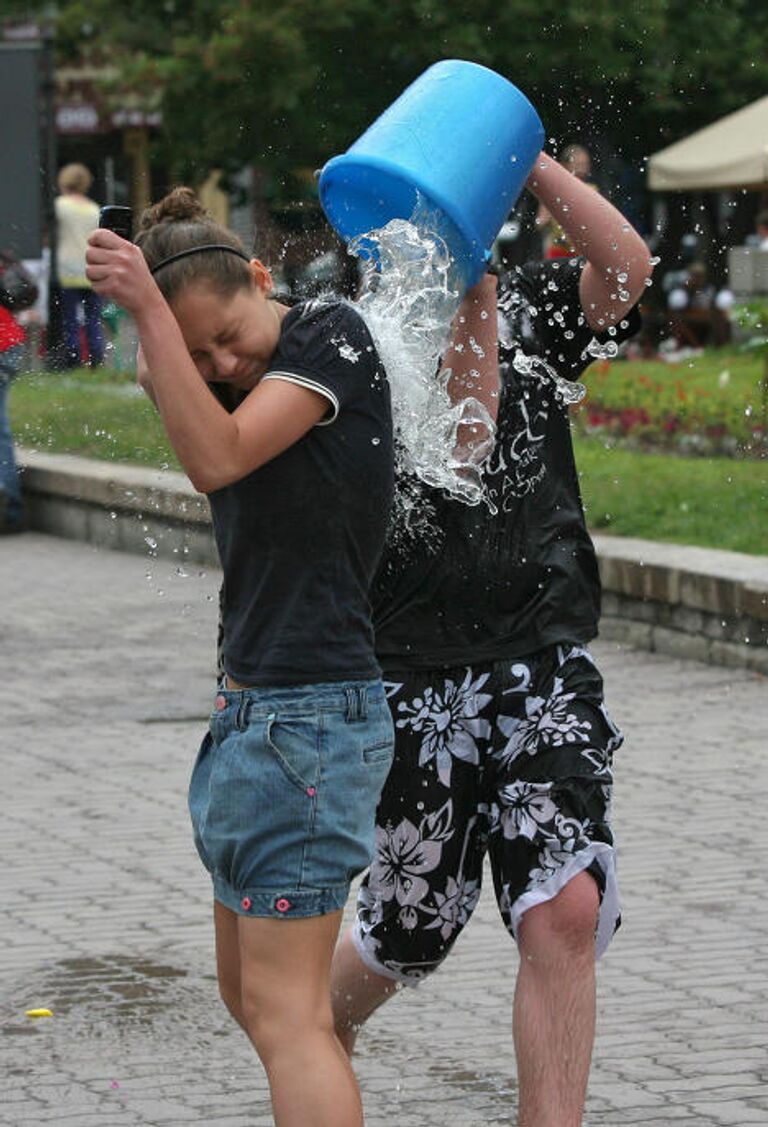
(300, 537)
(470, 584)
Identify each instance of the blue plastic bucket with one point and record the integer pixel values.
(461, 137)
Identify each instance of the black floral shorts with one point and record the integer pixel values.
(511, 759)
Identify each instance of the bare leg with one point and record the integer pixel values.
(356, 992)
(285, 990)
(228, 960)
(554, 1016)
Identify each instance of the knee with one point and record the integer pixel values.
(262, 1028)
(563, 926)
(276, 1026)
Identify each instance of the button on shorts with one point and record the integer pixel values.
(284, 791)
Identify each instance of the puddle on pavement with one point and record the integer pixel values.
(472, 1081)
(447, 1074)
(112, 989)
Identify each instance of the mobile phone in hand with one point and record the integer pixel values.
(117, 219)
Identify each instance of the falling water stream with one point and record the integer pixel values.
(408, 303)
(409, 299)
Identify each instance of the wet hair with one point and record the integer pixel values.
(179, 223)
(74, 178)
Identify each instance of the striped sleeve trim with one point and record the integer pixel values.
(304, 381)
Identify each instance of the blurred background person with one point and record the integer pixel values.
(556, 244)
(35, 319)
(698, 311)
(760, 237)
(76, 217)
(11, 351)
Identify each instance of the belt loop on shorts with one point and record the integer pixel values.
(242, 712)
(357, 703)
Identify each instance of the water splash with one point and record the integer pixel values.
(515, 314)
(607, 350)
(408, 303)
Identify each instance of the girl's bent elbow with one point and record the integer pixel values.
(202, 483)
(206, 480)
(209, 481)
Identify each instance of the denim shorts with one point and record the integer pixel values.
(284, 791)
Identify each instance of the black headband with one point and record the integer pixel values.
(196, 250)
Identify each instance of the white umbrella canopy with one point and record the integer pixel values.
(730, 153)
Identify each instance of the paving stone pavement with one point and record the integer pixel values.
(105, 910)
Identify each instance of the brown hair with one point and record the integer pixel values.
(177, 223)
(74, 178)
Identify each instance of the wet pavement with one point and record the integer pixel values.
(105, 910)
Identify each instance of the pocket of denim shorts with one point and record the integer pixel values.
(381, 735)
(295, 744)
(379, 752)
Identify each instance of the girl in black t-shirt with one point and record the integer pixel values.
(299, 470)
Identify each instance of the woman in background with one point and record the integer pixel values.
(76, 217)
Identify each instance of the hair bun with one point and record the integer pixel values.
(179, 206)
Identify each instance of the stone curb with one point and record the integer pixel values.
(697, 603)
(152, 512)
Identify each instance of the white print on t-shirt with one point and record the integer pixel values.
(518, 458)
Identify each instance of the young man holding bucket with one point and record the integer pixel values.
(504, 744)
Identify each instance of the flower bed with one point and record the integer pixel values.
(714, 404)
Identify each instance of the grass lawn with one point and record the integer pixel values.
(712, 502)
(717, 502)
(99, 414)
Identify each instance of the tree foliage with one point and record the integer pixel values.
(288, 83)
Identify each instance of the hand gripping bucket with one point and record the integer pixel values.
(462, 138)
